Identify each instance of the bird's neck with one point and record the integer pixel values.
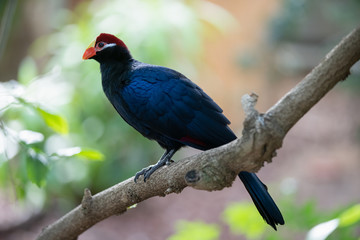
(114, 74)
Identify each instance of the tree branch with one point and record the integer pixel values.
(217, 168)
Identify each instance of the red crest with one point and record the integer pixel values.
(109, 38)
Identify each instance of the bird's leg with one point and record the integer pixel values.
(165, 159)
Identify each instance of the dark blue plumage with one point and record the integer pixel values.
(165, 106)
(162, 101)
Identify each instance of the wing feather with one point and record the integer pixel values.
(168, 103)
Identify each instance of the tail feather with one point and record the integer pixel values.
(262, 199)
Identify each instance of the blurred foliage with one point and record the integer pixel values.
(243, 218)
(7, 10)
(306, 20)
(304, 31)
(301, 220)
(195, 231)
(55, 116)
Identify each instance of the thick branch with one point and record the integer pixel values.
(217, 168)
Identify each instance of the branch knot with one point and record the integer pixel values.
(86, 201)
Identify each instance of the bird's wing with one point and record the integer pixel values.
(167, 102)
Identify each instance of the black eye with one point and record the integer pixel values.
(101, 44)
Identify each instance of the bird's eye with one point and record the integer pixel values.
(101, 44)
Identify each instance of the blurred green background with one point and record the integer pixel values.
(59, 134)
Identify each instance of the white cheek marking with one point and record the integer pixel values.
(108, 45)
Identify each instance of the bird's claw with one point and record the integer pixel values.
(151, 169)
(143, 172)
(164, 160)
(146, 172)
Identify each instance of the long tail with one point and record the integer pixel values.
(262, 199)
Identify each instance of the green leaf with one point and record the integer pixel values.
(346, 218)
(27, 70)
(55, 122)
(91, 154)
(20, 191)
(322, 230)
(4, 171)
(243, 218)
(350, 216)
(195, 231)
(36, 167)
(87, 153)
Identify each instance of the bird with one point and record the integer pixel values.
(164, 105)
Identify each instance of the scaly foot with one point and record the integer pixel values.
(164, 160)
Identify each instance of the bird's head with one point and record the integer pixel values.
(106, 46)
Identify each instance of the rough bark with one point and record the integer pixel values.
(217, 168)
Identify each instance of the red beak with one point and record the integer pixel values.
(89, 52)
